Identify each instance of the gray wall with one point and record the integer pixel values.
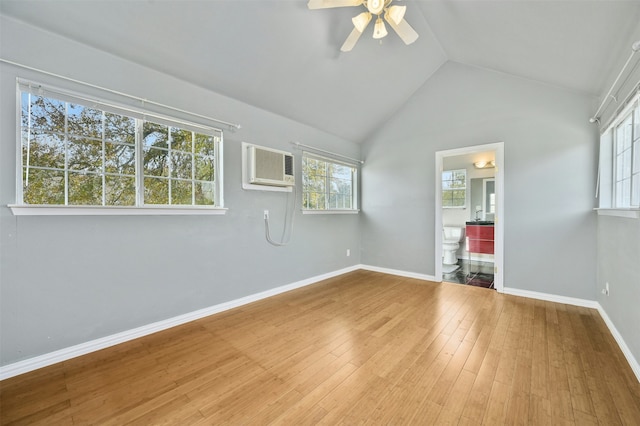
(619, 238)
(550, 166)
(68, 280)
(619, 265)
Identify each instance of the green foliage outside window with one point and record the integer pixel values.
(454, 188)
(77, 155)
(327, 185)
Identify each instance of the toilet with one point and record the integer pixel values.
(451, 237)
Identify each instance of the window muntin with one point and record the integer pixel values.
(454, 188)
(328, 184)
(73, 154)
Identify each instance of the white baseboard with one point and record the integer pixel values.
(633, 362)
(551, 297)
(45, 360)
(399, 273)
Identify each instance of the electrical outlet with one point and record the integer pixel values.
(348, 252)
(266, 214)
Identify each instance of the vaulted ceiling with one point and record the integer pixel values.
(282, 57)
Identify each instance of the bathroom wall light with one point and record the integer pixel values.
(484, 164)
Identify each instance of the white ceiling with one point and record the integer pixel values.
(284, 58)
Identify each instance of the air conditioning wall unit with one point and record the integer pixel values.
(269, 167)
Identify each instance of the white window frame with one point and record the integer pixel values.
(466, 189)
(354, 186)
(609, 177)
(140, 115)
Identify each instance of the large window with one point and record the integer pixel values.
(76, 152)
(620, 160)
(454, 188)
(328, 184)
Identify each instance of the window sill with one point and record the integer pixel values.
(304, 211)
(42, 210)
(628, 213)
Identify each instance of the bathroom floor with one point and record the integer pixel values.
(481, 274)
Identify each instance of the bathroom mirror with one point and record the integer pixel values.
(482, 198)
(489, 198)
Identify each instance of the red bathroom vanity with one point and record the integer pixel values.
(479, 237)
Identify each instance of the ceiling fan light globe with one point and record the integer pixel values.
(396, 13)
(361, 21)
(375, 6)
(379, 31)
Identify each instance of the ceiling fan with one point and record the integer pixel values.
(394, 15)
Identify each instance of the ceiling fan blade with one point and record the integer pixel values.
(404, 30)
(325, 4)
(351, 40)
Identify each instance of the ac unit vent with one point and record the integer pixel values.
(270, 167)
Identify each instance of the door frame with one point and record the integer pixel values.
(498, 149)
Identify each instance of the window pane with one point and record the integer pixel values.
(120, 159)
(317, 200)
(43, 149)
(454, 188)
(204, 145)
(47, 114)
(636, 121)
(181, 165)
(204, 167)
(626, 164)
(120, 190)
(635, 196)
(619, 167)
(636, 156)
(204, 193)
(460, 178)
(619, 195)
(43, 186)
(24, 109)
(84, 121)
(85, 189)
(155, 135)
(156, 191)
(181, 192)
(118, 128)
(85, 154)
(626, 193)
(181, 140)
(623, 135)
(156, 162)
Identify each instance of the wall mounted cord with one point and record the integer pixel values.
(267, 231)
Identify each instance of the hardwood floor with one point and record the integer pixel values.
(362, 348)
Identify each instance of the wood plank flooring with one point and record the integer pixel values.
(362, 348)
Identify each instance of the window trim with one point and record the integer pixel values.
(607, 165)
(59, 210)
(355, 182)
(22, 209)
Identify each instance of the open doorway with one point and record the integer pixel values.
(478, 211)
